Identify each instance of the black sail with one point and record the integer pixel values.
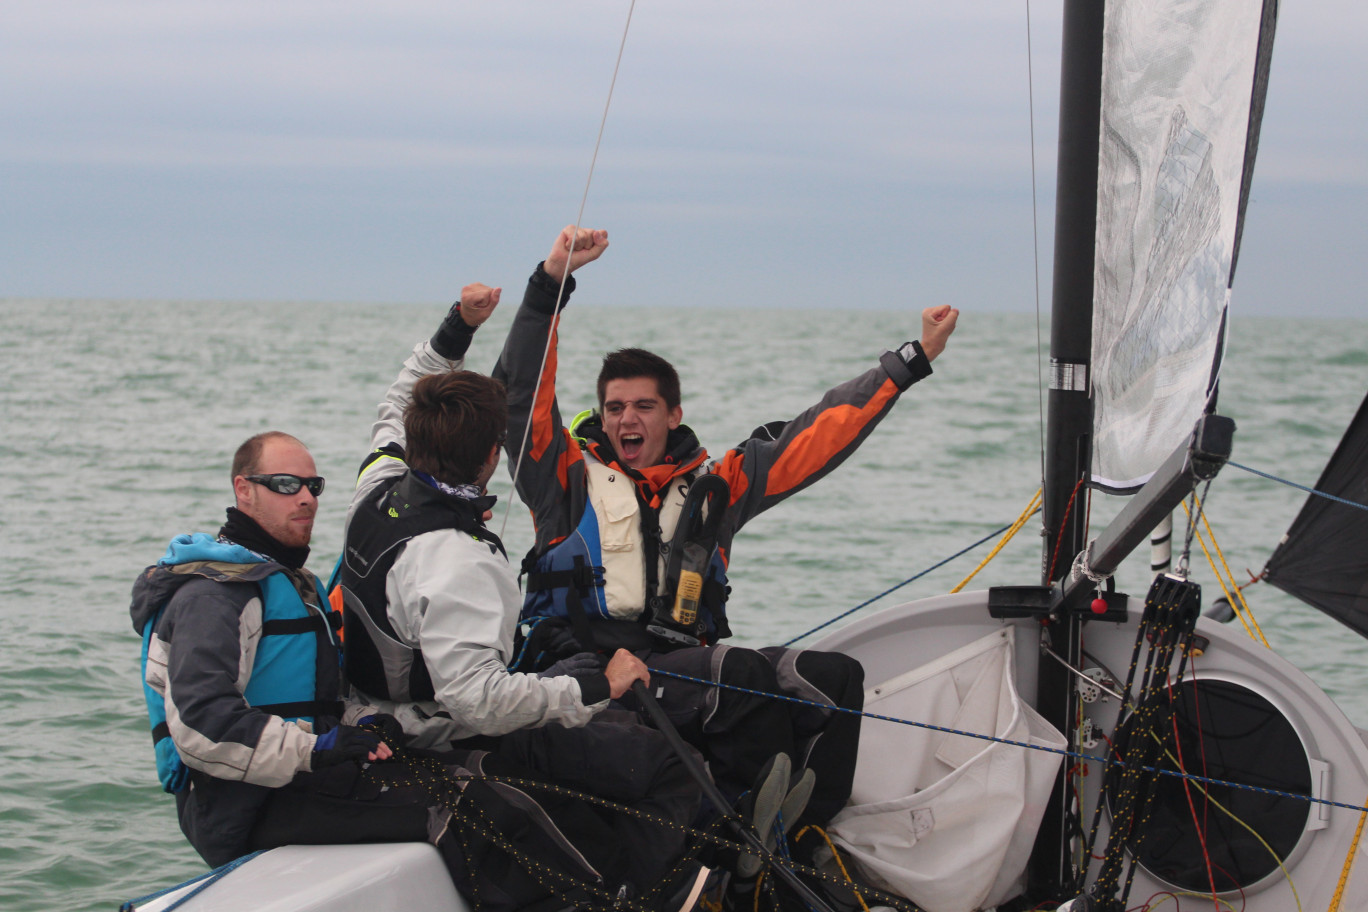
(1323, 558)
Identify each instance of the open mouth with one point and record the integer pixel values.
(630, 446)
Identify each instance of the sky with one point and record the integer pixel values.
(821, 155)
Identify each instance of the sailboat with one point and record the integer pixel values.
(1252, 776)
(1063, 744)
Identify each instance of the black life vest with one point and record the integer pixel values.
(374, 658)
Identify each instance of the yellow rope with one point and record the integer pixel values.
(839, 863)
(1235, 598)
(1201, 787)
(1348, 863)
(1239, 593)
(1026, 514)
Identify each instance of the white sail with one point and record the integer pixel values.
(1178, 82)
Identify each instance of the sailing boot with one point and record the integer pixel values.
(773, 816)
(761, 806)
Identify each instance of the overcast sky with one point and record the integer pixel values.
(870, 154)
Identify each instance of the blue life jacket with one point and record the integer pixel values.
(570, 579)
(284, 679)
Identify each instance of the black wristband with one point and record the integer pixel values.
(594, 689)
(452, 338)
(907, 365)
(542, 289)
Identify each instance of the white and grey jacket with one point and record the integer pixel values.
(455, 600)
(201, 659)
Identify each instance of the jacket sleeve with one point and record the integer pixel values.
(539, 446)
(457, 600)
(433, 356)
(201, 661)
(427, 358)
(783, 457)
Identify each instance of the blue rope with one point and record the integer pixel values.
(1293, 484)
(209, 877)
(531, 625)
(960, 553)
(1039, 747)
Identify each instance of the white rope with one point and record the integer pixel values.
(560, 293)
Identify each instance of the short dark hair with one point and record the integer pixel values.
(247, 459)
(629, 363)
(453, 421)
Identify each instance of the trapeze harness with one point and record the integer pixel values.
(402, 508)
(619, 552)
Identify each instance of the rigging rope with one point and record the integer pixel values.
(1338, 898)
(1293, 484)
(1032, 509)
(446, 787)
(1237, 603)
(208, 878)
(1064, 524)
(1211, 799)
(560, 293)
(891, 589)
(1063, 752)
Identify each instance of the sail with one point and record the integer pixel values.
(1183, 83)
(1322, 559)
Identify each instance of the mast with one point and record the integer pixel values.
(1069, 416)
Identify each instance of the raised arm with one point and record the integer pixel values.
(538, 445)
(445, 351)
(783, 457)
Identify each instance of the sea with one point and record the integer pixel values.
(120, 419)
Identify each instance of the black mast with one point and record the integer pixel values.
(1069, 422)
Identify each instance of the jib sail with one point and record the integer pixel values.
(1323, 559)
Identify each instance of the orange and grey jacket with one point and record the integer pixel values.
(600, 526)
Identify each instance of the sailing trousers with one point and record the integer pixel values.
(738, 731)
(613, 757)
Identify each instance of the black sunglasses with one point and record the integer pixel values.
(282, 483)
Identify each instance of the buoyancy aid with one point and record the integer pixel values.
(295, 668)
(613, 565)
(375, 660)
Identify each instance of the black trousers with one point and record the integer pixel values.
(618, 758)
(737, 732)
(613, 757)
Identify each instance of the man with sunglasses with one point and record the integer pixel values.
(241, 667)
(243, 685)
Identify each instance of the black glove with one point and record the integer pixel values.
(387, 726)
(583, 663)
(550, 638)
(562, 641)
(343, 743)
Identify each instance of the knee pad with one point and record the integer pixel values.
(747, 668)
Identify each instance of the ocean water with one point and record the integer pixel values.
(120, 419)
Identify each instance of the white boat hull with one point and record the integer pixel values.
(336, 878)
(907, 636)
